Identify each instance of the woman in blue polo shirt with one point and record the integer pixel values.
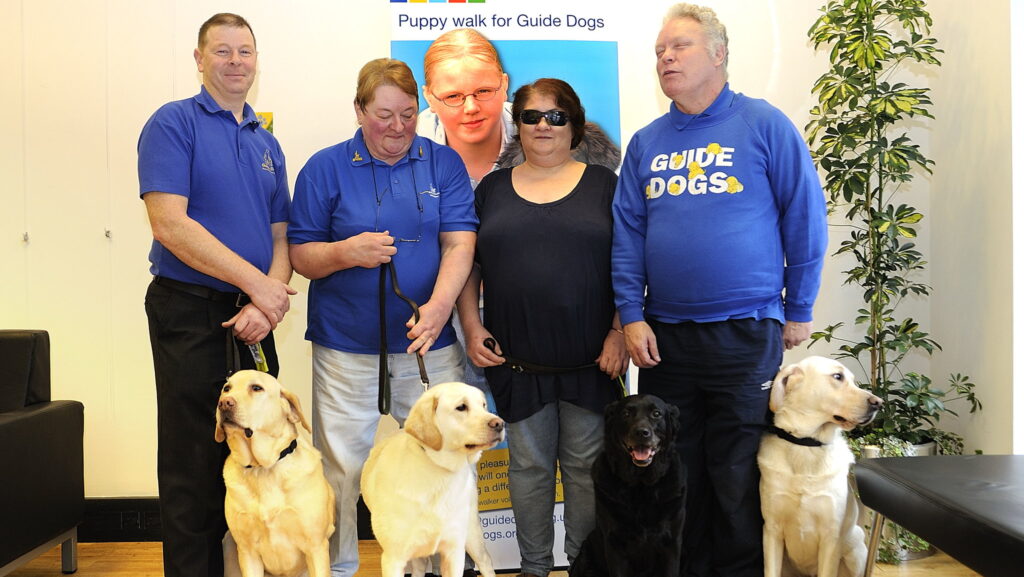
(384, 195)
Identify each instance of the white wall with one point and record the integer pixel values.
(82, 77)
(971, 216)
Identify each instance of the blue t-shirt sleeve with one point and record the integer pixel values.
(281, 200)
(311, 208)
(456, 192)
(629, 214)
(165, 152)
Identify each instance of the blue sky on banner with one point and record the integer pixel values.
(575, 42)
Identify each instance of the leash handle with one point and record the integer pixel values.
(383, 378)
(424, 379)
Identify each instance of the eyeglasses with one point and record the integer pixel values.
(457, 99)
(554, 117)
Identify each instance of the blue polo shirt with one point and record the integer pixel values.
(232, 173)
(342, 191)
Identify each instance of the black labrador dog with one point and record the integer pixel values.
(640, 488)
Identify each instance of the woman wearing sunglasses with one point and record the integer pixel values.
(551, 345)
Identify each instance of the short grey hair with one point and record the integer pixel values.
(713, 27)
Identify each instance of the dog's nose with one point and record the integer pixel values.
(875, 402)
(227, 403)
(496, 424)
(643, 432)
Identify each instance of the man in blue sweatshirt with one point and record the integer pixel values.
(720, 236)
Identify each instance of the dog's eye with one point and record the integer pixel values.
(226, 388)
(656, 414)
(256, 388)
(462, 407)
(838, 376)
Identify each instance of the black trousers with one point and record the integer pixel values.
(191, 360)
(719, 375)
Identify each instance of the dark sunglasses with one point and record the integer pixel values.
(554, 117)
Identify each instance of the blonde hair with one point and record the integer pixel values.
(384, 72)
(712, 26)
(456, 44)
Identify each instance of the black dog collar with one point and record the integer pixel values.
(287, 451)
(802, 441)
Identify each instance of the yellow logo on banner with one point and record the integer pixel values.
(266, 121)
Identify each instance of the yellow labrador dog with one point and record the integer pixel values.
(279, 506)
(420, 484)
(810, 512)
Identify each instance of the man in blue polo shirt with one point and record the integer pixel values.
(216, 191)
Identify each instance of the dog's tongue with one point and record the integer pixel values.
(641, 453)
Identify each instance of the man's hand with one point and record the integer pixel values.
(794, 333)
(642, 344)
(271, 297)
(250, 325)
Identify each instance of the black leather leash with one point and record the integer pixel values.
(520, 366)
(383, 378)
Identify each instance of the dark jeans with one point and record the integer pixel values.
(719, 375)
(191, 363)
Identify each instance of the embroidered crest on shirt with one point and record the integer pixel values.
(268, 162)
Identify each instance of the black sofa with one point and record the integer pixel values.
(969, 506)
(42, 495)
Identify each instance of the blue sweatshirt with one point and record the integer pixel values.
(718, 215)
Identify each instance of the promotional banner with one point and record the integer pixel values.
(573, 41)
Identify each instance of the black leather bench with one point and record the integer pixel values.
(971, 506)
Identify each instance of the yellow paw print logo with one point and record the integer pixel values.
(732, 186)
(647, 192)
(676, 162)
(714, 148)
(675, 189)
(695, 170)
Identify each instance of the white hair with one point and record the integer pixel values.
(713, 28)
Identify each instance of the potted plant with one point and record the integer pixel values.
(859, 135)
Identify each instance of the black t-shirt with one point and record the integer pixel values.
(546, 271)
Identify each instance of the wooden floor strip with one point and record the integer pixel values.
(144, 560)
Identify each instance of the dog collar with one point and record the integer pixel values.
(786, 436)
(287, 451)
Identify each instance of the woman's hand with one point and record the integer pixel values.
(424, 334)
(614, 358)
(480, 355)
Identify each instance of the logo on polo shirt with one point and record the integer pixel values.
(268, 162)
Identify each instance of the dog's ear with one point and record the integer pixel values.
(421, 422)
(294, 409)
(671, 422)
(218, 431)
(787, 377)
